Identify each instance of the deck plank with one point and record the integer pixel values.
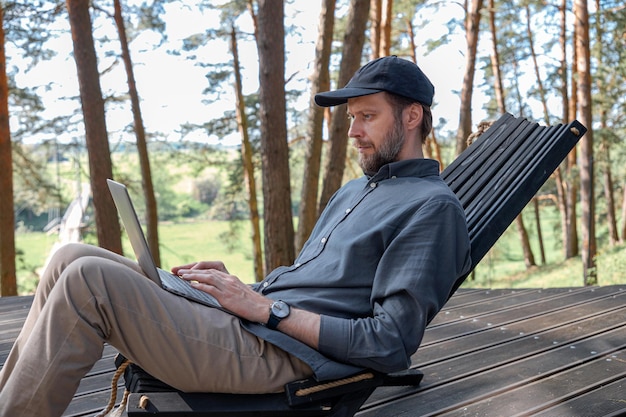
(604, 399)
(548, 352)
(554, 390)
(455, 380)
(511, 332)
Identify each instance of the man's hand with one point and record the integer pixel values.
(241, 300)
(230, 291)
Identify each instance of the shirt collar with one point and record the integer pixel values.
(420, 167)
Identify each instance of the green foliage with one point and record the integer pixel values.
(27, 25)
(32, 250)
(205, 190)
(150, 16)
(611, 266)
(503, 266)
(33, 174)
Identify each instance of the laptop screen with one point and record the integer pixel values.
(127, 212)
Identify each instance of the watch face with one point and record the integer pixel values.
(280, 309)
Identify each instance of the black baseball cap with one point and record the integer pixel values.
(390, 73)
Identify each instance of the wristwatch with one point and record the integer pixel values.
(278, 311)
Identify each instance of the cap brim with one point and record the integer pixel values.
(341, 96)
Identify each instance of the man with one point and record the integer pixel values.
(378, 266)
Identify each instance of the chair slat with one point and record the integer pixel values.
(494, 189)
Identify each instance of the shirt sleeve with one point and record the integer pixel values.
(413, 280)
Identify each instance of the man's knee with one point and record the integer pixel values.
(63, 256)
(70, 252)
(86, 268)
(58, 262)
(99, 277)
(82, 287)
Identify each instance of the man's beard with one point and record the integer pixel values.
(388, 151)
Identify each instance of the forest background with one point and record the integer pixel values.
(204, 109)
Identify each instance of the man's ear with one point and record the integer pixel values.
(413, 116)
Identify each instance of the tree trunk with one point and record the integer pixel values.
(546, 116)
(571, 244)
(495, 59)
(542, 249)
(410, 30)
(542, 93)
(472, 27)
(320, 81)
(561, 198)
(605, 146)
(610, 201)
(608, 190)
(518, 94)
(385, 31)
(563, 179)
(586, 151)
(248, 166)
(152, 217)
(563, 60)
(529, 258)
(376, 15)
(253, 15)
(8, 281)
(277, 213)
(107, 224)
(350, 63)
(623, 231)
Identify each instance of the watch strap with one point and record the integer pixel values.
(272, 322)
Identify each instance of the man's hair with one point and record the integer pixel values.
(399, 103)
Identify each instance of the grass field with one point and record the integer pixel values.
(180, 243)
(503, 267)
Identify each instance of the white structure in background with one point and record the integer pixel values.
(72, 221)
(70, 226)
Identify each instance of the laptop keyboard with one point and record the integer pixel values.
(181, 287)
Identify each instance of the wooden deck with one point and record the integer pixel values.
(550, 352)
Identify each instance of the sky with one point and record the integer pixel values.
(170, 87)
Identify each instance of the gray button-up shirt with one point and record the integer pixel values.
(378, 266)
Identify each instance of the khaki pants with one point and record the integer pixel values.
(88, 296)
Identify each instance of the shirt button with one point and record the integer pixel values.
(323, 240)
(297, 265)
(373, 185)
(265, 284)
(348, 210)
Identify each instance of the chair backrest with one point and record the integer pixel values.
(498, 174)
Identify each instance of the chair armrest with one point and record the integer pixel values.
(309, 390)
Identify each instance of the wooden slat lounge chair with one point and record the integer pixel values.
(494, 178)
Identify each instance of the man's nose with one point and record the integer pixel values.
(355, 129)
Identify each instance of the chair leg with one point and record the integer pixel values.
(350, 403)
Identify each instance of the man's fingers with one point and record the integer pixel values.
(202, 276)
(217, 265)
(197, 266)
(176, 269)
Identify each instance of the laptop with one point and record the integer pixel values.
(164, 279)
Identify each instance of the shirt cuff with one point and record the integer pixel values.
(334, 337)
